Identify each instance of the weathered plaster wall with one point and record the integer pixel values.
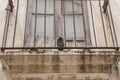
(2, 17)
(20, 22)
(98, 23)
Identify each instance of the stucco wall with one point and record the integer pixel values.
(98, 23)
(20, 21)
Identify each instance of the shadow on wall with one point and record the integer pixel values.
(4, 71)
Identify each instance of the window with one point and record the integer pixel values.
(50, 19)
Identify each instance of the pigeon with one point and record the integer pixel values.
(60, 43)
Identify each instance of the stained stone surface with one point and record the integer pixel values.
(62, 66)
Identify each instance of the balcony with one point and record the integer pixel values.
(60, 24)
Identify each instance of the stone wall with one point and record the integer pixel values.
(4, 71)
(79, 66)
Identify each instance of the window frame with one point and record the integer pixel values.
(86, 40)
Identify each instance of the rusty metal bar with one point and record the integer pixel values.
(35, 24)
(35, 48)
(6, 27)
(45, 26)
(55, 36)
(113, 25)
(108, 16)
(24, 41)
(93, 24)
(61, 5)
(53, 14)
(74, 22)
(82, 6)
(16, 17)
(103, 24)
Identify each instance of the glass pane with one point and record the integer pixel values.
(69, 6)
(69, 27)
(49, 26)
(41, 6)
(77, 6)
(79, 26)
(40, 25)
(50, 6)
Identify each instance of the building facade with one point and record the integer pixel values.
(59, 40)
